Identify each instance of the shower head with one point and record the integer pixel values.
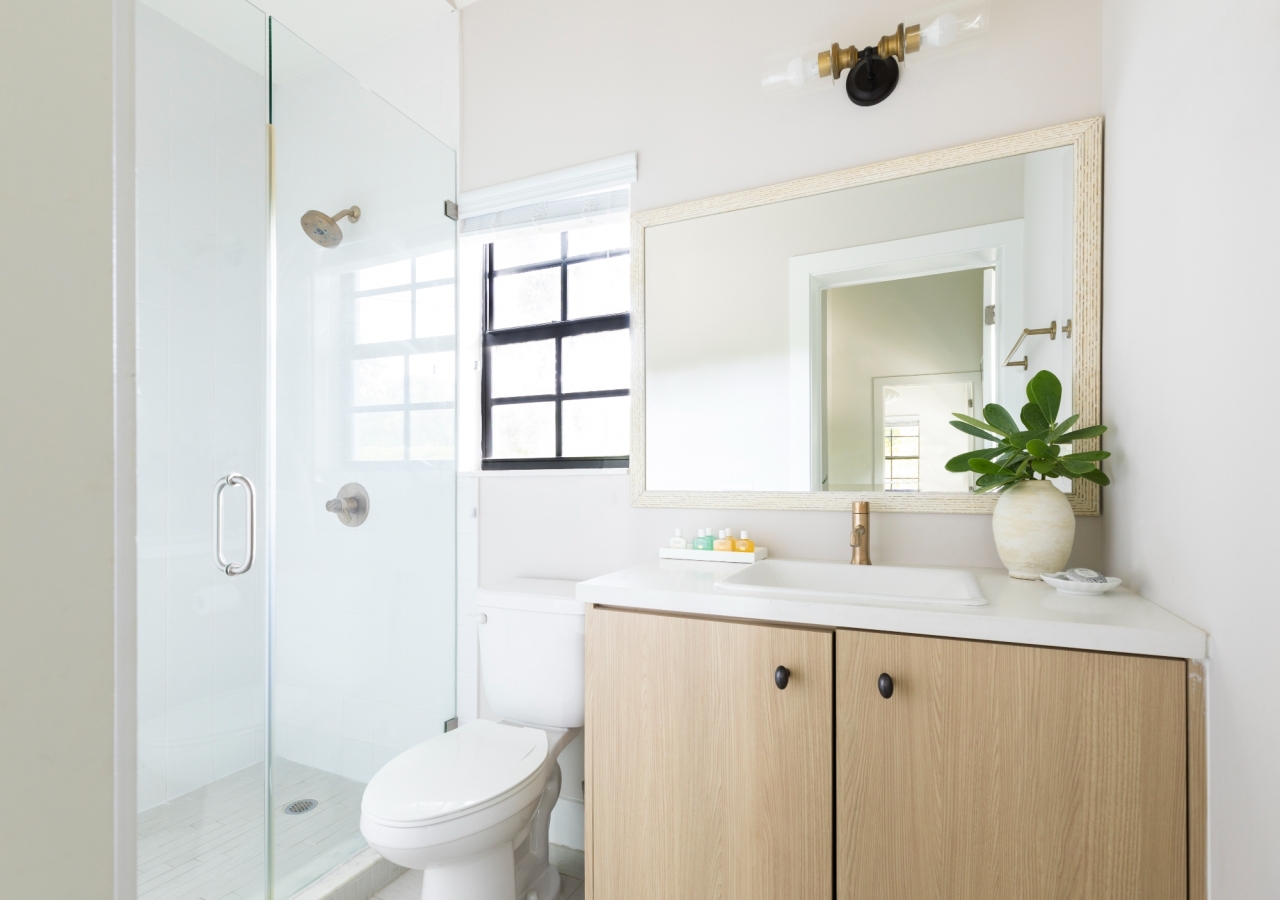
(324, 229)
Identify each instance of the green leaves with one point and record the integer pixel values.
(1083, 434)
(1045, 391)
(1020, 454)
(1033, 418)
(999, 417)
(961, 463)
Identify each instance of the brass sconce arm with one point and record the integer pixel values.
(835, 61)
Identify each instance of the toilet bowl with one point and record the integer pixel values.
(472, 808)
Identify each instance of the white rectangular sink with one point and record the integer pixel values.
(840, 582)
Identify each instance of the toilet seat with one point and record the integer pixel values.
(459, 773)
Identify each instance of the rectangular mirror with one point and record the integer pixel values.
(804, 345)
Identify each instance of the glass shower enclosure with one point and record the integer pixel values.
(296, 409)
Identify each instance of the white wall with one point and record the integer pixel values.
(56, 403)
(548, 84)
(1190, 313)
(551, 84)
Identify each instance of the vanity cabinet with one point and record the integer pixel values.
(990, 771)
(1006, 772)
(704, 778)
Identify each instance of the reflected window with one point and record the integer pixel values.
(901, 453)
(401, 372)
(557, 348)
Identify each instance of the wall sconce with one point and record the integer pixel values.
(873, 71)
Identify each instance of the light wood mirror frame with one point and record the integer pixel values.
(1086, 383)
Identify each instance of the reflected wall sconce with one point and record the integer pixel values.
(1052, 331)
(874, 71)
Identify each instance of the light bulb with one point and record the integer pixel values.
(940, 32)
(797, 73)
(958, 25)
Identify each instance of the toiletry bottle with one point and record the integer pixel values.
(709, 540)
(678, 542)
(744, 544)
(699, 543)
(724, 542)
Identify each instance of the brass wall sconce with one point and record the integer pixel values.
(874, 71)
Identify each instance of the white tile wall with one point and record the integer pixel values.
(201, 385)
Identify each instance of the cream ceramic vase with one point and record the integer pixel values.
(1034, 529)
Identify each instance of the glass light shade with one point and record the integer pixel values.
(953, 25)
(794, 73)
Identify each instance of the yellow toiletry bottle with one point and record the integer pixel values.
(744, 544)
(723, 542)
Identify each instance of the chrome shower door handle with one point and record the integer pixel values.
(251, 517)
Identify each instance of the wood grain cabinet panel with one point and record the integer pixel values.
(705, 781)
(1003, 772)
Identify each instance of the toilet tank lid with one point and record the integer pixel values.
(548, 595)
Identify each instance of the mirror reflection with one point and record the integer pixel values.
(823, 343)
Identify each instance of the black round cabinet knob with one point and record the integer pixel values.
(885, 684)
(781, 676)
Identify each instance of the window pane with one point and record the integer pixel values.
(599, 427)
(435, 312)
(522, 251)
(389, 275)
(526, 298)
(903, 468)
(431, 377)
(598, 238)
(377, 435)
(596, 362)
(434, 267)
(600, 287)
(524, 430)
(905, 446)
(375, 382)
(431, 434)
(382, 317)
(521, 370)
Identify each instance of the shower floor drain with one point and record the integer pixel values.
(298, 807)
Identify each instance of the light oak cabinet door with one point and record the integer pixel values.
(705, 781)
(1003, 772)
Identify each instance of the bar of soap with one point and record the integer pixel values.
(1086, 575)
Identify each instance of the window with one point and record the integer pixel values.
(901, 453)
(555, 386)
(401, 326)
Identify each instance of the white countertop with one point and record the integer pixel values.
(1017, 612)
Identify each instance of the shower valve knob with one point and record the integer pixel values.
(351, 506)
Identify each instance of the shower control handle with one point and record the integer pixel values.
(351, 506)
(251, 518)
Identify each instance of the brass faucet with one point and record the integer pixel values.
(860, 537)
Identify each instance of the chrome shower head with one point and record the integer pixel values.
(324, 229)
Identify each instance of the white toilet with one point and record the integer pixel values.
(472, 807)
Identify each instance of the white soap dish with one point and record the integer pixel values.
(1060, 581)
(732, 556)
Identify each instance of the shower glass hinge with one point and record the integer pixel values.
(989, 315)
(451, 724)
(451, 210)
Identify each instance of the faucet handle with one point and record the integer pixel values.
(351, 506)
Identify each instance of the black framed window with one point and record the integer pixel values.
(555, 385)
(401, 323)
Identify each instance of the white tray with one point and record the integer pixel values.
(714, 555)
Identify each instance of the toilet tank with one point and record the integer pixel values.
(531, 651)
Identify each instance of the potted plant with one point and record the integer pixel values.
(1033, 522)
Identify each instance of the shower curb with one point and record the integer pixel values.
(359, 878)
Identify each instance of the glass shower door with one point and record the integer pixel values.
(202, 387)
(363, 646)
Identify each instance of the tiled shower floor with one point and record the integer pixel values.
(209, 844)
